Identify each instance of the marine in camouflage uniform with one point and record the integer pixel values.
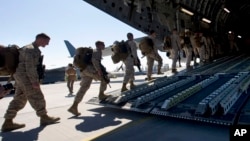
(153, 56)
(129, 62)
(71, 76)
(28, 86)
(203, 52)
(92, 71)
(187, 47)
(176, 47)
(195, 48)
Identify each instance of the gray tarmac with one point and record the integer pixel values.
(100, 123)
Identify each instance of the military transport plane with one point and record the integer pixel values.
(199, 95)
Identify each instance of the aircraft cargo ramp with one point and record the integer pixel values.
(216, 93)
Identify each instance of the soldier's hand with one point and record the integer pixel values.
(3, 92)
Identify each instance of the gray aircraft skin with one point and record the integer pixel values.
(165, 15)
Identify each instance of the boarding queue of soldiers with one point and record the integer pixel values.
(27, 76)
(194, 45)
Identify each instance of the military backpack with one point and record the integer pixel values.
(83, 57)
(146, 45)
(120, 51)
(9, 58)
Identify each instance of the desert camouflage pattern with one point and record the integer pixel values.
(146, 45)
(83, 57)
(25, 75)
(89, 74)
(120, 51)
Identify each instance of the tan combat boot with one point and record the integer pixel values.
(149, 78)
(124, 88)
(102, 96)
(9, 125)
(46, 120)
(73, 109)
(174, 71)
(159, 71)
(132, 85)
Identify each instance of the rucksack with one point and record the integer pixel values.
(146, 45)
(83, 57)
(9, 58)
(120, 51)
(167, 43)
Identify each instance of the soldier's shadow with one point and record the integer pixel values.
(30, 135)
(98, 121)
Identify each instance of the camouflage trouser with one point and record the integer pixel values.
(174, 56)
(129, 72)
(188, 52)
(70, 83)
(202, 54)
(150, 61)
(87, 75)
(196, 54)
(23, 92)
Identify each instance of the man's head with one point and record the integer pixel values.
(42, 40)
(100, 45)
(130, 36)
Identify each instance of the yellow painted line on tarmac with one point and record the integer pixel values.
(139, 121)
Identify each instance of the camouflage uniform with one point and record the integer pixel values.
(153, 56)
(188, 50)
(195, 48)
(26, 74)
(232, 44)
(210, 43)
(71, 77)
(175, 43)
(129, 63)
(203, 50)
(90, 73)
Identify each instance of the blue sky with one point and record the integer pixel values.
(74, 20)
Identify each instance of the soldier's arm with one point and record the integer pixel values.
(31, 62)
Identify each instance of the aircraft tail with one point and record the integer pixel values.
(71, 48)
